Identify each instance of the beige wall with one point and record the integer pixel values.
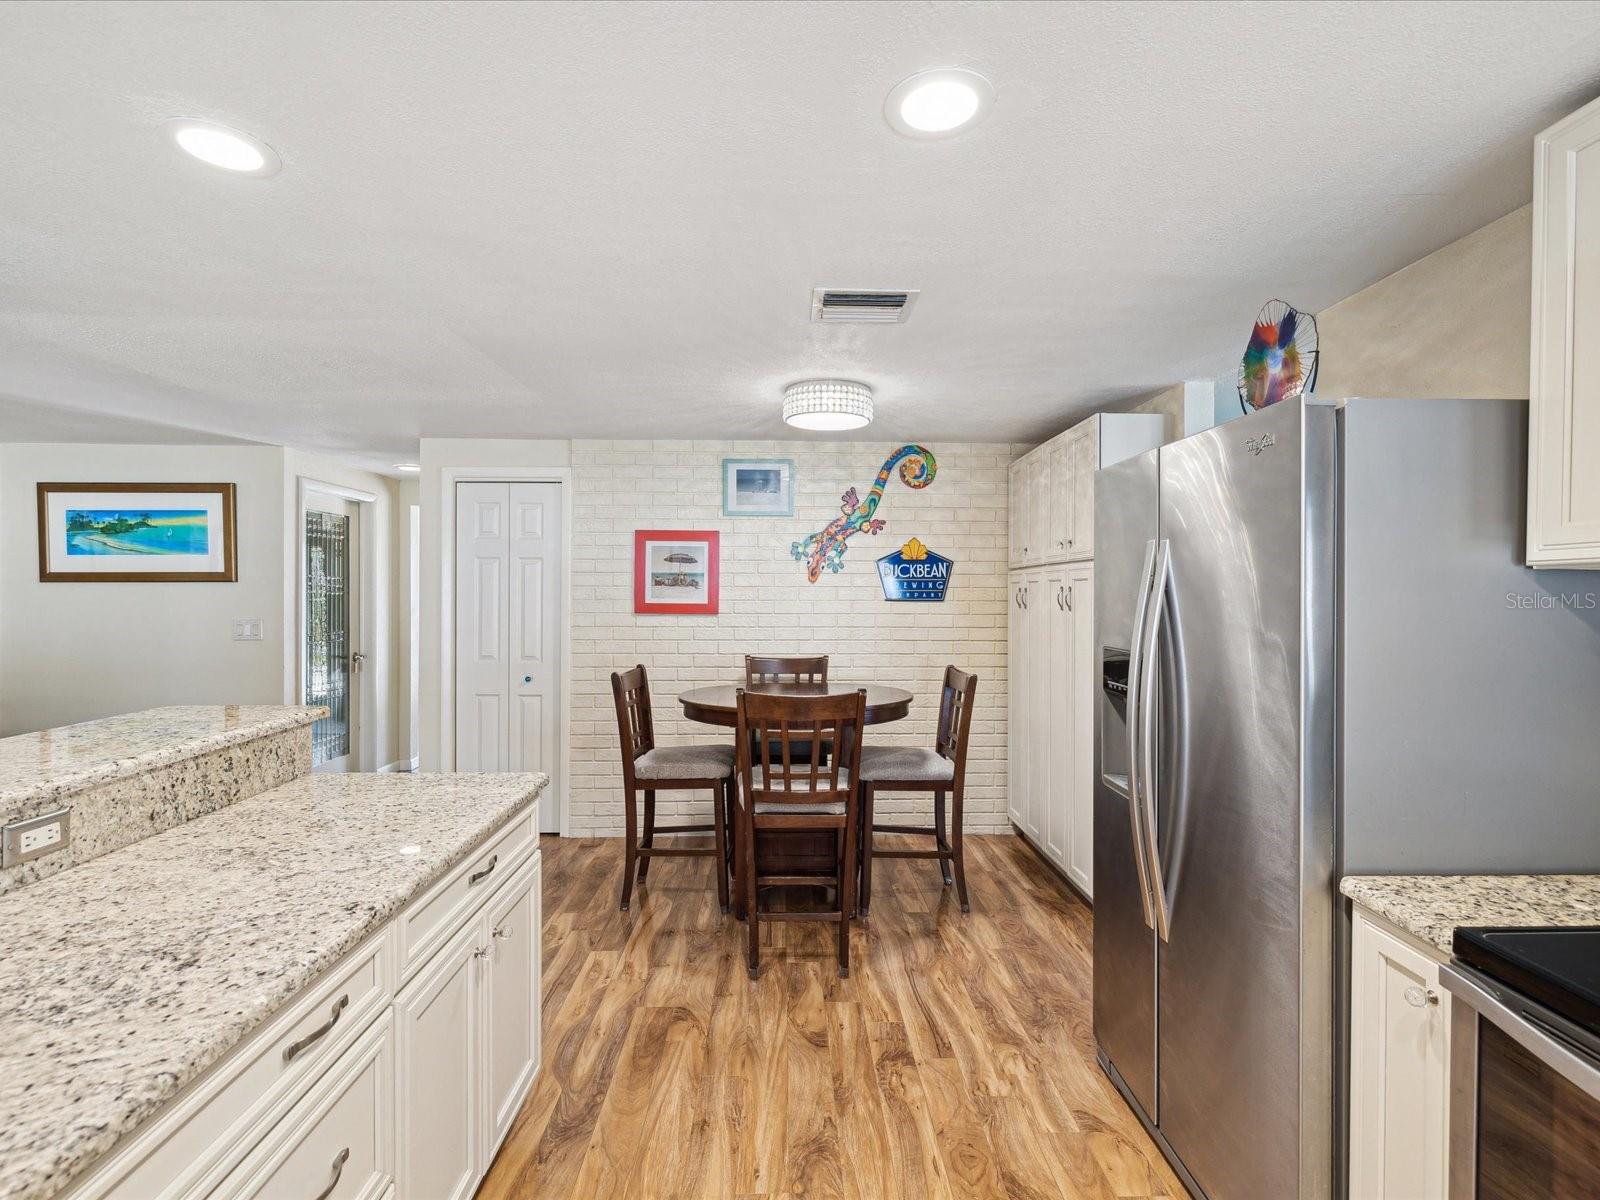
(75, 651)
(1452, 324)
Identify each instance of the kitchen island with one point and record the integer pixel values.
(339, 957)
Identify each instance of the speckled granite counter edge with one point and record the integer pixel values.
(26, 797)
(1432, 907)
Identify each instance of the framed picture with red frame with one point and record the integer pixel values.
(676, 571)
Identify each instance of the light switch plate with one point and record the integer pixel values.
(247, 629)
(35, 836)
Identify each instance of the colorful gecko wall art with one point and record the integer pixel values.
(826, 547)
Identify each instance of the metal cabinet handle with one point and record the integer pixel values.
(1419, 997)
(478, 876)
(481, 952)
(320, 1032)
(1059, 602)
(1069, 597)
(339, 1161)
(500, 931)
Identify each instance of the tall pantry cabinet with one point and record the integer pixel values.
(1051, 667)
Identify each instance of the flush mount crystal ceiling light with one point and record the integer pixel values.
(223, 147)
(827, 404)
(933, 104)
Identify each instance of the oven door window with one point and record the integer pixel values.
(1538, 1135)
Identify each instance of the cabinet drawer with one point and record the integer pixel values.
(433, 920)
(213, 1125)
(337, 1143)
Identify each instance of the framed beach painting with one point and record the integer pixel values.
(758, 487)
(675, 571)
(136, 533)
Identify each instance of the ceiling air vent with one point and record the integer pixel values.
(861, 304)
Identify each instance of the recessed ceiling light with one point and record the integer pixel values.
(408, 468)
(827, 404)
(938, 103)
(223, 147)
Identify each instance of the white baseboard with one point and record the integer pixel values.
(399, 765)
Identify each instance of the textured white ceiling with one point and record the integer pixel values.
(598, 220)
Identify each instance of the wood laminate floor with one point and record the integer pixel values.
(957, 1060)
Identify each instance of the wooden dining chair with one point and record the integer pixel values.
(942, 771)
(649, 768)
(793, 668)
(776, 793)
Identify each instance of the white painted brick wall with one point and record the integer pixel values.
(768, 607)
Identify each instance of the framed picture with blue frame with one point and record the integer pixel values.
(758, 487)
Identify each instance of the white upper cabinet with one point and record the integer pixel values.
(1564, 411)
(1052, 486)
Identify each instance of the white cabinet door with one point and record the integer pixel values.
(1016, 699)
(511, 1016)
(439, 1087)
(1083, 671)
(1564, 415)
(1399, 1068)
(1055, 699)
(1036, 609)
(1058, 499)
(1017, 501)
(1084, 451)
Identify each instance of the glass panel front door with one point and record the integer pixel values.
(327, 632)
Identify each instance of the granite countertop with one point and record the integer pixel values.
(128, 976)
(1432, 906)
(58, 762)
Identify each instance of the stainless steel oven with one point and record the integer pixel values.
(1524, 1095)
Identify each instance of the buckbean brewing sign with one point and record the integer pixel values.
(914, 572)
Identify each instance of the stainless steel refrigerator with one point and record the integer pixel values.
(1320, 655)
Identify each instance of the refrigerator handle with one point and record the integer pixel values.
(1154, 613)
(1135, 806)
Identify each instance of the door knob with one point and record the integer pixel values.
(1419, 997)
(527, 679)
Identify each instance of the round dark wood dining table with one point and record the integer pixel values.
(792, 852)
(718, 703)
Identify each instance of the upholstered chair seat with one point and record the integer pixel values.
(911, 764)
(685, 762)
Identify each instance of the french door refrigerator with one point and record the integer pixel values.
(1315, 661)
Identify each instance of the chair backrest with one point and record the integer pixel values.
(768, 725)
(955, 716)
(631, 690)
(799, 668)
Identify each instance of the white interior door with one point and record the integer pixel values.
(331, 654)
(509, 564)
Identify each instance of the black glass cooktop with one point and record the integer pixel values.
(1559, 967)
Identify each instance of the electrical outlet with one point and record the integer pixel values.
(35, 836)
(247, 629)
